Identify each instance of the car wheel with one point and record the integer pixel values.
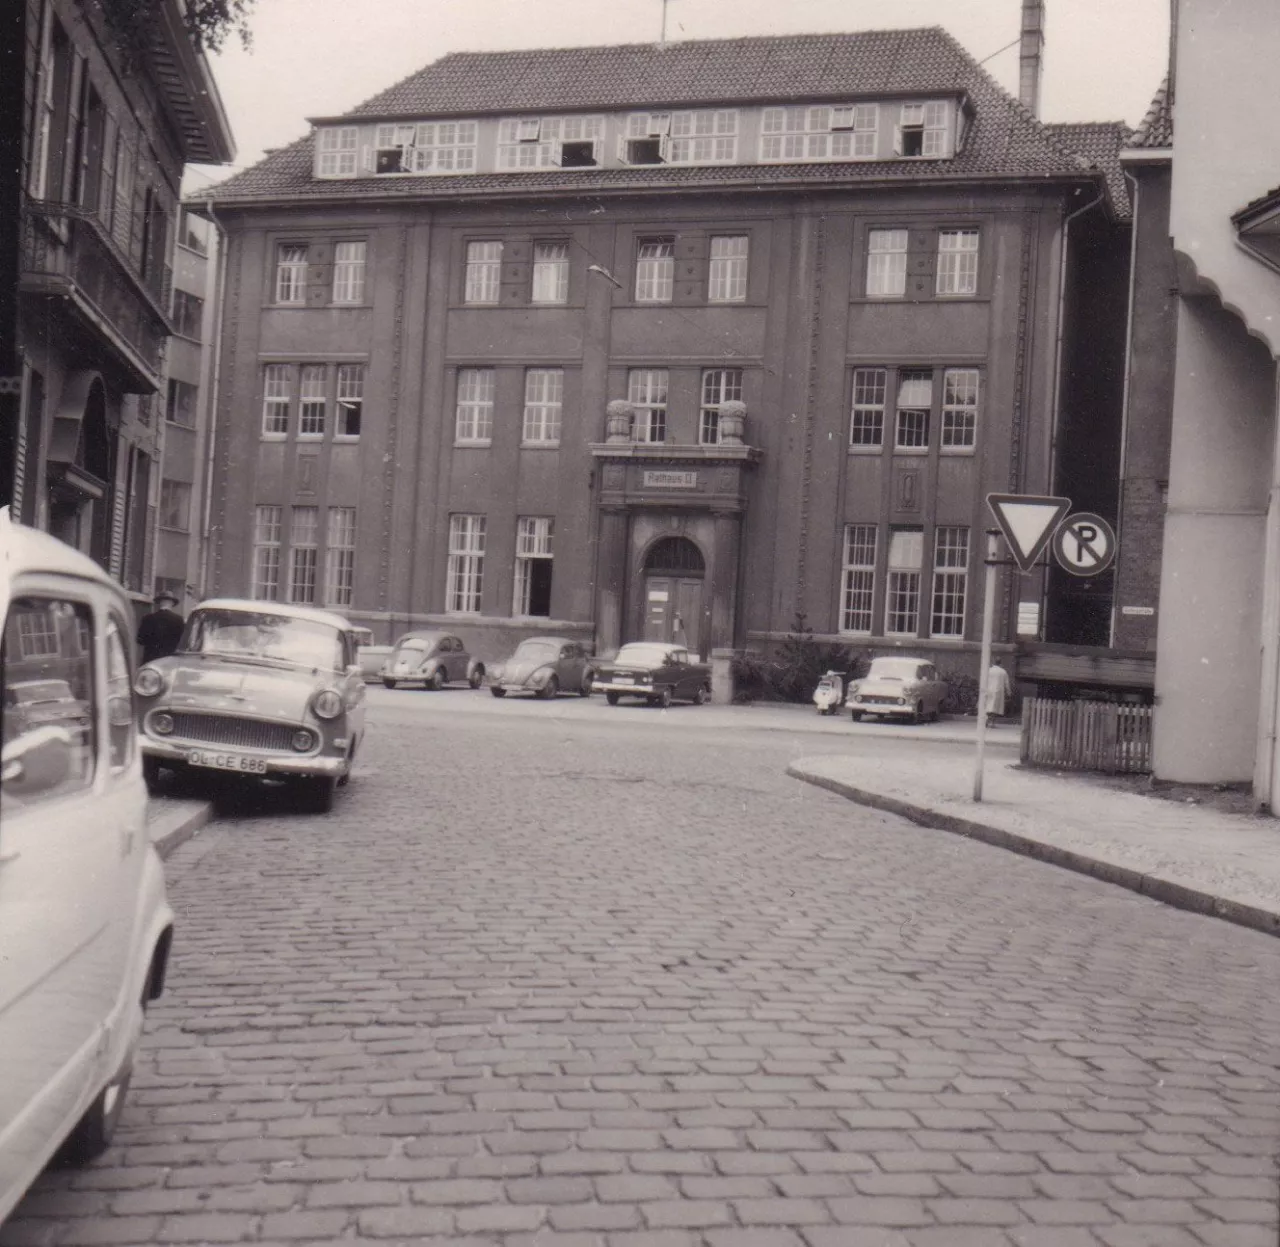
(584, 689)
(700, 695)
(390, 683)
(435, 681)
(476, 678)
(93, 1133)
(314, 793)
(345, 778)
(663, 699)
(612, 698)
(856, 715)
(498, 692)
(549, 690)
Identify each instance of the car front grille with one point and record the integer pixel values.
(216, 729)
(873, 700)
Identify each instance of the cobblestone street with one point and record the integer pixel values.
(596, 977)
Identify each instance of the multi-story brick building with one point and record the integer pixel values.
(654, 340)
(107, 131)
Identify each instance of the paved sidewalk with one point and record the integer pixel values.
(171, 821)
(1227, 865)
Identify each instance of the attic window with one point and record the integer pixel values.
(547, 142)
(577, 155)
(644, 151)
(338, 151)
(391, 150)
(528, 130)
(922, 130)
(820, 132)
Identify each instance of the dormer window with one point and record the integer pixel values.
(392, 148)
(425, 147)
(646, 140)
(549, 142)
(338, 150)
(922, 130)
(820, 132)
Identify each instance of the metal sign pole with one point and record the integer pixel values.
(984, 661)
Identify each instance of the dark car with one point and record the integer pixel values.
(43, 703)
(545, 666)
(655, 671)
(431, 659)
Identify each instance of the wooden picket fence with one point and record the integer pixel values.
(1086, 735)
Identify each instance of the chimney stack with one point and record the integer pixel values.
(1031, 55)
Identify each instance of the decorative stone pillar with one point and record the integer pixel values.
(724, 581)
(610, 579)
(733, 423)
(618, 420)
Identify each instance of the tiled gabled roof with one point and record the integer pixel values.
(1156, 128)
(1005, 140)
(1099, 143)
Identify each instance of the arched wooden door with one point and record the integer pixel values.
(674, 574)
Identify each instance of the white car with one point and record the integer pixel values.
(898, 687)
(84, 924)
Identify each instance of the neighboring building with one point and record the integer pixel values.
(486, 337)
(181, 547)
(1218, 627)
(106, 139)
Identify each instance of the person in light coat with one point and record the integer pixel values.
(998, 689)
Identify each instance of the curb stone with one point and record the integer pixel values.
(1154, 886)
(176, 824)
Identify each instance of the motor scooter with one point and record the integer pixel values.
(829, 695)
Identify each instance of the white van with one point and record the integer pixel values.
(84, 924)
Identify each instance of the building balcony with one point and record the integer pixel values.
(116, 316)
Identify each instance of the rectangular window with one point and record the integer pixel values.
(902, 589)
(866, 423)
(727, 276)
(303, 554)
(950, 576)
(886, 263)
(550, 272)
(706, 136)
(915, 405)
(474, 421)
(484, 272)
(312, 403)
(922, 130)
(175, 505)
(350, 399)
(820, 132)
(348, 272)
(533, 565)
(275, 400)
(427, 147)
(291, 274)
(655, 270)
(338, 148)
(958, 261)
(549, 142)
(719, 385)
(858, 581)
(647, 393)
(180, 407)
(340, 557)
(959, 408)
(466, 564)
(188, 314)
(543, 404)
(266, 553)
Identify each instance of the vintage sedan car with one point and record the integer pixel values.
(257, 688)
(85, 927)
(545, 666)
(655, 671)
(432, 660)
(898, 687)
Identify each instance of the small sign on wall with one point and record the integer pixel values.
(1029, 619)
(656, 479)
(1137, 610)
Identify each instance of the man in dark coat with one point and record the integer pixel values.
(160, 629)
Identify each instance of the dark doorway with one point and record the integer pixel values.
(673, 578)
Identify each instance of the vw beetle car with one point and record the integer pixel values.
(260, 689)
(369, 656)
(545, 666)
(432, 660)
(85, 927)
(657, 672)
(898, 687)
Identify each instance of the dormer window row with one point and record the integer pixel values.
(777, 134)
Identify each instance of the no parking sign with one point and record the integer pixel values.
(1084, 544)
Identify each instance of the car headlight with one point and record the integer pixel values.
(148, 682)
(902, 701)
(328, 704)
(162, 724)
(303, 740)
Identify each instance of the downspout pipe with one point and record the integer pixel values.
(215, 388)
(1264, 763)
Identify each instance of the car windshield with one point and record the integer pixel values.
(40, 690)
(893, 669)
(644, 655)
(415, 646)
(258, 634)
(536, 651)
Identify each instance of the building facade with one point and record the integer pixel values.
(106, 134)
(690, 340)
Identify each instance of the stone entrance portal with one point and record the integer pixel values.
(674, 570)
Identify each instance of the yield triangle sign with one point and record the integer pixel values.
(1028, 522)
